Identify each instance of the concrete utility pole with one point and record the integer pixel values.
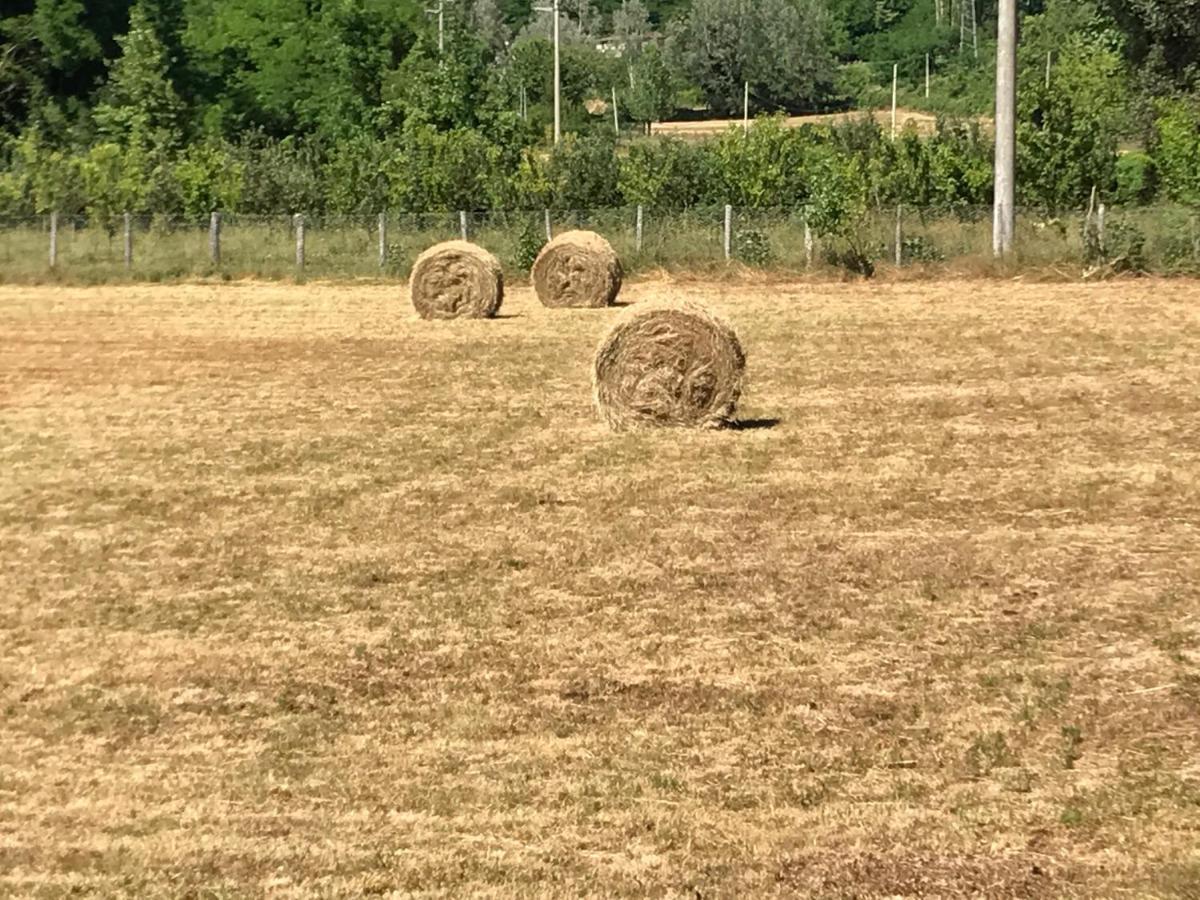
(440, 12)
(895, 84)
(553, 10)
(1004, 222)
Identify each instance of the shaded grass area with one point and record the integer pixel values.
(933, 244)
(305, 596)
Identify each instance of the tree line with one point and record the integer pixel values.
(177, 107)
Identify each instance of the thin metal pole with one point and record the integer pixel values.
(299, 220)
(214, 238)
(383, 247)
(1004, 219)
(53, 239)
(728, 232)
(127, 222)
(895, 95)
(638, 229)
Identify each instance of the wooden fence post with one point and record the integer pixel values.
(214, 238)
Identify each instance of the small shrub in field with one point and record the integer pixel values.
(1123, 248)
(530, 242)
(753, 248)
(849, 255)
(921, 249)
(1137, 178)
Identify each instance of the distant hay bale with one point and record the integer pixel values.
(578, 269)
(457, 280)
(668, 363)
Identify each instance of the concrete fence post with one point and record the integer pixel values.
(549, 231)
(214, 238)
(899, 235)
(728, 232)
(808, 244)
(462, 224)
(127, 222)
(298, 221)
(638, 229)
(53, 240)
(383, 247)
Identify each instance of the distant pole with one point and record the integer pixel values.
(616, 118)
(214, 238)
(808, 244)
(728, 232)
(383, 248)
(440, 12)
(638, 230)
(1049, 53)
(1004, 221)
(746, 109)
(926, 76)
(127, 221)
(549, 230)
(895, 94)
(557, 81)
(899, 235)
(974, 30)
(53, 239)
(462, 223)
(299, 221)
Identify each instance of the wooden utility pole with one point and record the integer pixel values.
(1004, 221)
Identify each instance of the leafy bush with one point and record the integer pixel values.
(1137, 178)
(919, 248)
(752, 247)
(530, 242)
(1177, 151)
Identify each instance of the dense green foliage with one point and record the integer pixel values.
(345, 107)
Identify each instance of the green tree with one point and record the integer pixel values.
(139, 104)
(781, 47)
(1177, 150)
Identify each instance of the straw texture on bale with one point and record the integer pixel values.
(457, 280)
(668, 363)
(577, 269)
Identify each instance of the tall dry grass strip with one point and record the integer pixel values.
(668, 363)
(457, 280)
(578, 269)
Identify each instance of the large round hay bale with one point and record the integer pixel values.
(668, 363)
(457, 280)
(577, 269)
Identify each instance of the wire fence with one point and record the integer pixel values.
(1163, 239)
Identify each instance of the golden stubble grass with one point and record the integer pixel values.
(304, 596)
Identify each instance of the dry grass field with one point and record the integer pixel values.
(925, 123)
(302, 596)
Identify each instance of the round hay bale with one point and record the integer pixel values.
(578, 269)
(457, 280)
(668, 363)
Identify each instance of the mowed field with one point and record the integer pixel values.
(302, 596)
